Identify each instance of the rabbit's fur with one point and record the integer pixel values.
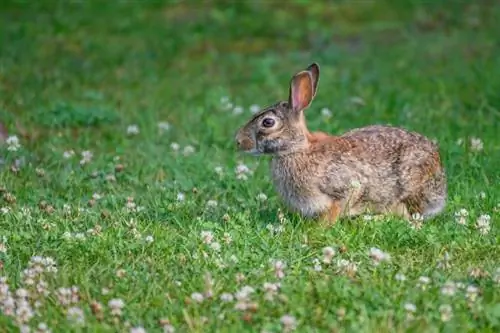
(377, 169)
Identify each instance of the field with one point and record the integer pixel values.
(125, 207)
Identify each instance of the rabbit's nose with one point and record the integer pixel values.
(239, 140)
(242, 142)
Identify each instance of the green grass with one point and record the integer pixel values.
(75, 76)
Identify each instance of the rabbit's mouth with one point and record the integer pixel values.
(253, 152)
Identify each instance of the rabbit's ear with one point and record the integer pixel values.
(314, 70)
(301, 91)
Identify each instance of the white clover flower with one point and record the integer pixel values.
(449, 288)
(410, 307)
(476, 144)
(289, 323)
(237, 110)
(175, 146)
(261, 197)
(471, 293)
(116, 305)
(328, 254)
(207, 237)
(69, 154)
(76, 315)
(212, 203)
(483, 224)
(226, 297)
(188, 150)
(254, 108)
(317, 265)
(279, 267)
(138, 329)
(164, 126)
(446, 312)
(86, 157)
(215, 246)
(461, 216)
(379, 256)
(197, 297)
(133, 130)
(219, 170)
(13, 143)
(326, 112)
(400, 277)
(423, 282)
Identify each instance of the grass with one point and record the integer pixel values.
(73, 77)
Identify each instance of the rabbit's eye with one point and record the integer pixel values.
(268, 122)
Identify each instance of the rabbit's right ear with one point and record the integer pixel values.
(314, 70)
(301, 91)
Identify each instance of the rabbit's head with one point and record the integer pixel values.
(281, 128)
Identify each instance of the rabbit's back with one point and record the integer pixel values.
(383, 166)
(373, 168)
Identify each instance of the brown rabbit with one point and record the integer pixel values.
(375, 169)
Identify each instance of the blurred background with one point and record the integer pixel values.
(69, 66)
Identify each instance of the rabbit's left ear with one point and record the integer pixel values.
(314, 70)
(301, 91)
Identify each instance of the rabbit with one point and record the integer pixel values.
(378, 169)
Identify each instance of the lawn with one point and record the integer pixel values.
(125, 207)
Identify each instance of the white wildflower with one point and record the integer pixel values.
(378, 256)
(446, 312)
(347, 267)
(279, 267)
(289, 323)
(212, 203)
(400, 277)
(116, 305)
(410, 307)
(76, 315)
(328, 254)
(197, 297)
(69, 154)
(164, 126)
(483, 224)
(12, 143)
(317, 265)
(476, 144)
(227, 238)
(138, 329)
(410, 310)
(326, 112)
(471, 293)
(219, 170)
(449, 288)
(357, 100)
(215, 246)
(175, 146)
(207, 237)
(423, 282)
(237, 110)
(254, 108)
(444, 263)
(188, 150)
(226, 297)
(461, 216)
(86, 157)
(261, 197)
(132, 130)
